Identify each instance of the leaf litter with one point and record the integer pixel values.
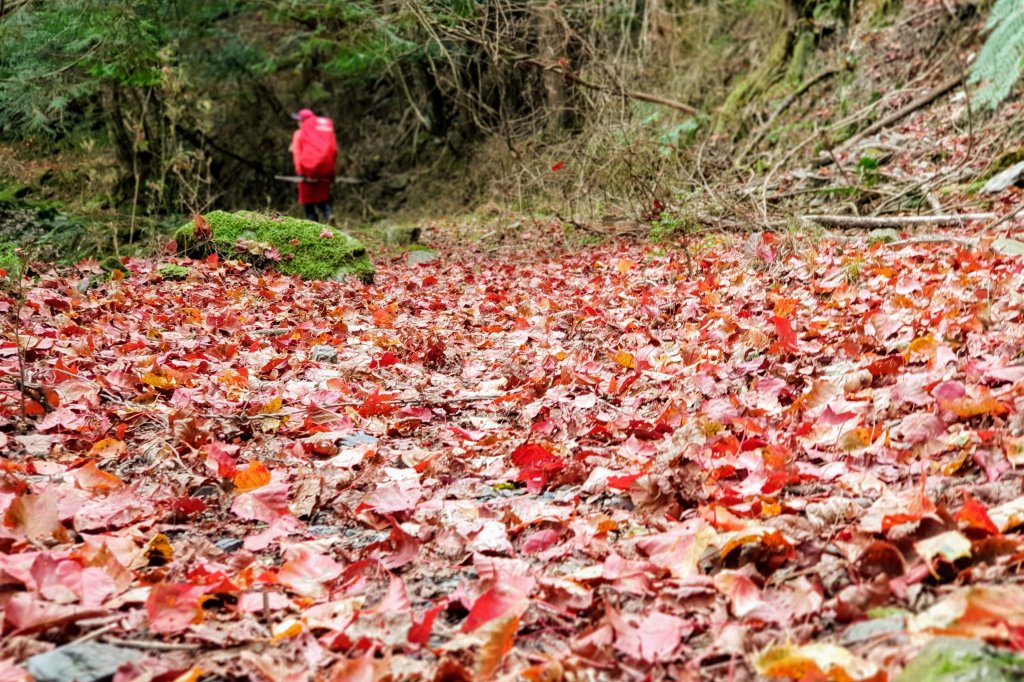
(621, 462)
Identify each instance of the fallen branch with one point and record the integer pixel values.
(875, 222)
(151, 646)
(1006, 218)
(919, 103)
(934, 239)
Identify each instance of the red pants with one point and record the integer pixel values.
(315, 192)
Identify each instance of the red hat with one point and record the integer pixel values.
(303, 114)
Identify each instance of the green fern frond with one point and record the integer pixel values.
(1001, 59)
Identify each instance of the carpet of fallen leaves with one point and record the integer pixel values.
(760, 457)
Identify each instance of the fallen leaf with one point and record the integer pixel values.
(173, 607)
(255, 475)
(816, 661)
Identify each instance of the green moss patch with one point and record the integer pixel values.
(9, 262)
(296, 247)
(175, 272)
(951, 659)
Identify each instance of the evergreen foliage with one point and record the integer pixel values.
(1001, 59)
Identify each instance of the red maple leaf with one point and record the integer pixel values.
(536, 465)
(377, 404)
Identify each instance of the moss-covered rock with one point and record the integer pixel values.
(883, 235)
(956, 659)
(175, 272)
(307, 249)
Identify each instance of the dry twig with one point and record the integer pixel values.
(874, 222)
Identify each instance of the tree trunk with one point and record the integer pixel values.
(552, 43)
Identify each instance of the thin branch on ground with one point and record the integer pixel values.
(874, 222)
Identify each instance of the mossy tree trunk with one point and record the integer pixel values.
(787, 57)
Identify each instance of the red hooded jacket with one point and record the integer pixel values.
(315, 153)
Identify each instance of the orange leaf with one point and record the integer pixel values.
(159, 551)
(157, 379)
(193, 675)
(91, 477)
(924, 344)
(816, 662)
(855, 439)
(966, 407)
(975, 515)
(272, 406)
(255, 476)
(500, 634)
(820, 393)
(108, 448)
(625, 359)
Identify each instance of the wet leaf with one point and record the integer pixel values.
(816, 661)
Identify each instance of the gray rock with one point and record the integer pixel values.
(357, 438)
(324, 354)
(84, 662)
(884, 235)
(869, 629)
(401, 236)
(1008, 246)
(1000, 181)
(229, 544)
(422, 256)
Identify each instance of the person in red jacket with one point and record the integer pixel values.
(315, 153)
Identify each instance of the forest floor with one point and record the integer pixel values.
(733, 455)
(777, 455)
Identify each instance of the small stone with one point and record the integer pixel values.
(357, 438)
(324, 354)
(420, 256)
(228, 544)
(85, 662)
